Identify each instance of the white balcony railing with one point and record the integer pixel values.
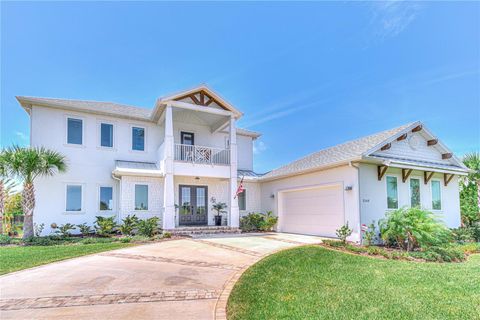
(200, 154)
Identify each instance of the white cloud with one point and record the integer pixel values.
(22, 136)
(259, 146)
(390, 18)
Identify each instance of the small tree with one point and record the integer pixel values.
(219, 207)
(470, 190)
(344, 232)
(27, 164)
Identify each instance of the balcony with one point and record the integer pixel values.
(201, 154)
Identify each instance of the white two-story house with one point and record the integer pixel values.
(170, 161)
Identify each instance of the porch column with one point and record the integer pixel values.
(168, 220)
(234, 220)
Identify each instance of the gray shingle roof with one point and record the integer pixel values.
(342, 153)
(92, 106)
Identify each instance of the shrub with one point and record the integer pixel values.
(166, 235)
(51, 240)
(148, 227)
(85, 229)
(258, 222)
(440, 254)
(412, 227)
(334, 243)
(64, 229)
(469, 248)
(5, 239)
(129, 224)
(369, 233)
(462, 235)
(38, 229)
(98, 240)
(476, 231)
(105, 226)
(343, 233)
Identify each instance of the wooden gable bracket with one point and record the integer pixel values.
(386, 147)
(446, 156)
(417, 128)
(381, 170)
(432, 142)
(427, 175)
(405, 174)
(447, 178)
(194, 99)
(402, 137)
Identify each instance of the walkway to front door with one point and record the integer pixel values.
(174, 280)
(193, 205)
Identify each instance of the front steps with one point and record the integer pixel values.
(203, 230)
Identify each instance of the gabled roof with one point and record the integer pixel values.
(98, 107)
(355, 150)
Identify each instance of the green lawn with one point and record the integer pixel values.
(316, 283)
(18, 258)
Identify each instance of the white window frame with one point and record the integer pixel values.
(134, 196)
(98, 199)
(145, 144)
(82, 198)
(74, 117)
(386, 191)
(410, 190)
(99, 134)
(441, 195)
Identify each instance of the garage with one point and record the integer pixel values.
(316, 210)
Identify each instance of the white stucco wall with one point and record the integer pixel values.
(346, 175)
(254, 198)
(373, 195)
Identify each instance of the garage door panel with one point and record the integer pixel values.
(317, 211)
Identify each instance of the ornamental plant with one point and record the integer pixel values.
(344, 232)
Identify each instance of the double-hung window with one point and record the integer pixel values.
(242, 200)
(141, 197)
(414, 192)
(138, 139)
(74, 131)
(436, 195)
(73, 198)
(392, 192)
(106, 135)
(106, 198)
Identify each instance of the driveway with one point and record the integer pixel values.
(178, 279)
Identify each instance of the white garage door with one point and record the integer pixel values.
(314, 211)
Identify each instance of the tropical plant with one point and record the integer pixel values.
(13, 204)
(369, 233)
(409, 228)
(218, 207)
(27, 164)
(64, 229)
(344, 232)
(85, 229)
(38, 229)
(148, 227)
(6, 185)
(258, 222)
(129, 224)
(105, 226)
(470, 190)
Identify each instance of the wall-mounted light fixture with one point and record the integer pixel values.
(348, 188)
(272, 196)
(197, 178)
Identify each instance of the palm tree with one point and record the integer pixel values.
(28, 164)
(472, 161)
(3, 195)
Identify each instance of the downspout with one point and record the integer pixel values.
(353, 165)
(118, 197)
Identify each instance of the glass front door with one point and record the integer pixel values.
(193, 205)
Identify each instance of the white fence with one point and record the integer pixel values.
(200, 154)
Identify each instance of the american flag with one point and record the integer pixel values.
(240, 188)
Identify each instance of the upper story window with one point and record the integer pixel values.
(74, 131)
(74, 198)
(106, 135)
(414, 192)
(392, 192)
(436, 195)
(242, 200)
(141, 197)
(138, 138)
(106, 198)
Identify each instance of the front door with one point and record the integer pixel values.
(193, 205)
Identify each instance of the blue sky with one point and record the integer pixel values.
(307, 75)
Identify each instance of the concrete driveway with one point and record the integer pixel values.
(178, 279)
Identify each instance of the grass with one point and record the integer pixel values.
(316, 283)
(23, 257)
